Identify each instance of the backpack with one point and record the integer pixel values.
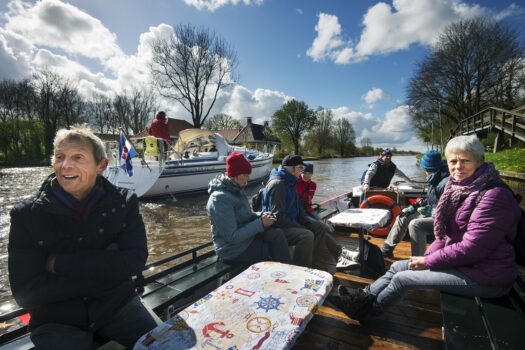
(519, 241)
(257, 199)
(373, 260)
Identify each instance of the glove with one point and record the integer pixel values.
(426, 211)
(407, 211)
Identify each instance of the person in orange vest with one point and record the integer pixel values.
(159, 127)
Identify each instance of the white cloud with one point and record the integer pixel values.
(54, 24)
(391, 130)
(393, 28)
(299, 11)
(328, 37)
(372, 96)
(212, 5)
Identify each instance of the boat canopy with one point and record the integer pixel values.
(201, 138)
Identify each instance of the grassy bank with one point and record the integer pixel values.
(508, 160)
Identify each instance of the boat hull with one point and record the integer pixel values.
(177, 179)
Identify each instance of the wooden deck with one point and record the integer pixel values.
(414, 323)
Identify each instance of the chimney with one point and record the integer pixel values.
(266, 123)
(249, 121)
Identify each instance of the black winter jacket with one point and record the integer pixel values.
(91, 282)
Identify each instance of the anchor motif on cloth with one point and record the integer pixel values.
(210, 327)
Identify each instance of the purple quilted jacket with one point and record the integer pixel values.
(475, 240)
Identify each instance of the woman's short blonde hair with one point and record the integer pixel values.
(468, 143)
(83, 135)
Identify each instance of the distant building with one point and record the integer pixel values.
(251, 135)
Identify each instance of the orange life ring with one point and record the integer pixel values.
(382, 202)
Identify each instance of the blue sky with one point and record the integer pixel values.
(352, 56)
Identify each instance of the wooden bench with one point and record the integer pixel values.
(165, 291)
(478, 323)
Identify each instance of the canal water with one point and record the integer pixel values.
(174, 225)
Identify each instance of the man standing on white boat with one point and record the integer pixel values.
(314, 246)
(240, 235)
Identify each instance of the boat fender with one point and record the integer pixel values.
(152, 147)
(383, 202)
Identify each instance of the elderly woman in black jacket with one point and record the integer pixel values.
(73, 250)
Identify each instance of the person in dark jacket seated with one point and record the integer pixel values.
(240, 235)
(471, 254)
(314, 246)
(73, 250)
(381, 172)
(417, 218)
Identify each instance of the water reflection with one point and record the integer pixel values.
(176, 225)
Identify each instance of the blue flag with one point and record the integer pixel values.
(126, 152)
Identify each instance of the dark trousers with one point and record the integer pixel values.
(127, 326)
(268, 245)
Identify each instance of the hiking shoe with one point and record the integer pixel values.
(349, 254)
(387, 252)
(357, 306)
(344, 263)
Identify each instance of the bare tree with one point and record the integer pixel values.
(191, 67)
(344, 136)
(221, 122)
(292, 120)
(132, 109)
(475, 64)
(320, 134)
(101, 112)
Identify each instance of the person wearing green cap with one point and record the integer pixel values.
(417, 218)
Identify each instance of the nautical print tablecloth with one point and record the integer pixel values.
(366, 218)
(265, 307)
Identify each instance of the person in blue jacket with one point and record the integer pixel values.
(73, 250)
(417, 219)
(239, 234)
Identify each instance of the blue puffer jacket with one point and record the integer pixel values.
(233, 224)
(436, 186)
(280, 198)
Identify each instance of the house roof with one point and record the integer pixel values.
(176, 125)
(228, 134)
(253, 133)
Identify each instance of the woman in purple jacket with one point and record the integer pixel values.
(470, 255)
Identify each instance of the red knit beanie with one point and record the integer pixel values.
(237, 164)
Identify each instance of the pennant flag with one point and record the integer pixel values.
(126, 152)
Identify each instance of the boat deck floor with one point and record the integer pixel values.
(413, 323)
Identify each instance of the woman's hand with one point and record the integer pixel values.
(417, 263)
(268, 219)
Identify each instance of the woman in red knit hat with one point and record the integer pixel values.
(239, 234)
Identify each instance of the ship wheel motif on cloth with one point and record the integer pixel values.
(306, 300)
(278, 274)
(258, 324)
(269, 303)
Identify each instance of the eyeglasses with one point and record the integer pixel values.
(300, 167)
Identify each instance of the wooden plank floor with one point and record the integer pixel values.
(413, 323)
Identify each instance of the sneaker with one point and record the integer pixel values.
(350, 255)
(356, 306)
(344, 263)
(387, 252)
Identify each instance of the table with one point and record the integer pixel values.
(267, 306)
(363, 219)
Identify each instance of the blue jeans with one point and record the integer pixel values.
(127, 326)
(394, 284)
